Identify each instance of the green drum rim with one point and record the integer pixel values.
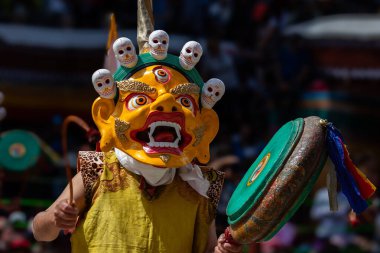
(19, 150)
(263, 171)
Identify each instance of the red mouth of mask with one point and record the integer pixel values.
(163, 133)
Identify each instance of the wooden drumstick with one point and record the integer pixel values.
(85, 127)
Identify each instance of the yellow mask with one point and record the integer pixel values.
(157, 119)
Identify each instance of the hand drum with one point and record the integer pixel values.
(278, 182)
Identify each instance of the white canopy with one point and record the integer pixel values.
(365, 27)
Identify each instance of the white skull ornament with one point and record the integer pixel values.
(190, 55)
(158, 44)
(212, 91)
(104, 83)
(125, 52)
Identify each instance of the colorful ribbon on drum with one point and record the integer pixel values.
(354, 184)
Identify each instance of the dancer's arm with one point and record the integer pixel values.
(60, 215)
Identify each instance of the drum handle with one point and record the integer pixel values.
(228, 237)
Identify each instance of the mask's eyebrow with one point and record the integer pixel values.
(186, 88)
(135, 86)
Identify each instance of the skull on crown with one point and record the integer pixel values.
(212, 92)
(158, 44)
(125, 52)
(104, 83)
(190, 55)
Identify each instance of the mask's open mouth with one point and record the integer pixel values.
(163, 133)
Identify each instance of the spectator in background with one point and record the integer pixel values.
(244, 143)
(3, 225)
(219, 64)
(367, 225)
(14, 234)
(282, 241)
(162, 13)
(294, 64)
(232, 169)
(59, 13)
(191, 17)
(332, 228)
(220, 13)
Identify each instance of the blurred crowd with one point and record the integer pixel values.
(265, 74)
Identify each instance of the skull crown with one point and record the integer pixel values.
(125, 54)
(158, 42)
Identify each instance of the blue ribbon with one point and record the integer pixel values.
(347, 182)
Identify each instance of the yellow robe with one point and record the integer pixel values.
(122, 219)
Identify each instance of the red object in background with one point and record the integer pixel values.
(319, 85)
(93, 136)
(259, 11)
(20, 243)
(353, 219)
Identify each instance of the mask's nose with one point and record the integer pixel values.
(166, 103)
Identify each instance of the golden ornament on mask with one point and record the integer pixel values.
(186, 88)
(135, 86)
(165, 158)
(121, 127)
(198, 133)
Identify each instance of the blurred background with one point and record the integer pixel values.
(279, 60)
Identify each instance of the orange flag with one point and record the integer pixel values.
(110, 61)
